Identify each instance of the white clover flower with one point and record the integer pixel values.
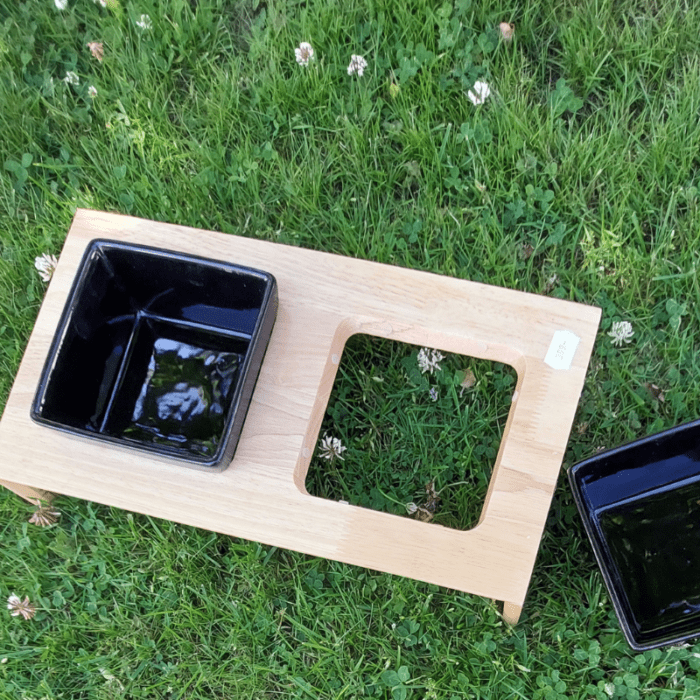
(411, 508)
(111, 678)
(331, 448)
(304, 53)
(621, 332)
(61, 4)
(103, 3)
(357, 65)
(20, 607)
(92, 91)
(45, 264)
(429, 360)
(479, 92)
(45, 516)
(507, 30)
(552, 281)
(71, 78)
(97, 49)
(145, 22)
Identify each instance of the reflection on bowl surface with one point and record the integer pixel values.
(158, 350)
(185, 394)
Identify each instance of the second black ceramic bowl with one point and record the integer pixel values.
(640, 504)
(159, 351)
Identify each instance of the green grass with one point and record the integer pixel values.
(404, 445)
(578, 178)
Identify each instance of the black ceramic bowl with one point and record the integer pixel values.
(158, 351)
(640, 504)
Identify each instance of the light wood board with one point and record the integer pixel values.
(324, 299)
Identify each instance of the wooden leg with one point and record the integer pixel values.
(35, 496)
(511, 612)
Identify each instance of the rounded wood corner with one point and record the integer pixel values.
(346, 328)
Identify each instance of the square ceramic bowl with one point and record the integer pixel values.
(640, 505)
(159, 351)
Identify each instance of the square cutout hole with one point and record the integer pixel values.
(420, 431)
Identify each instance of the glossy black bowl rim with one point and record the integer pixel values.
(256, 350)
(604, 563)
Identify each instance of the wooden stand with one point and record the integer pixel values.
(324, 299)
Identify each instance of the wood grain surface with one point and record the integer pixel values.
(324, 299)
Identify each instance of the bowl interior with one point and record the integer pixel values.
(641, 507)
(152, 349)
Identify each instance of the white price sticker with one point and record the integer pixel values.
(562, 349)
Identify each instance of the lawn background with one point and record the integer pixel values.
(577, 178)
